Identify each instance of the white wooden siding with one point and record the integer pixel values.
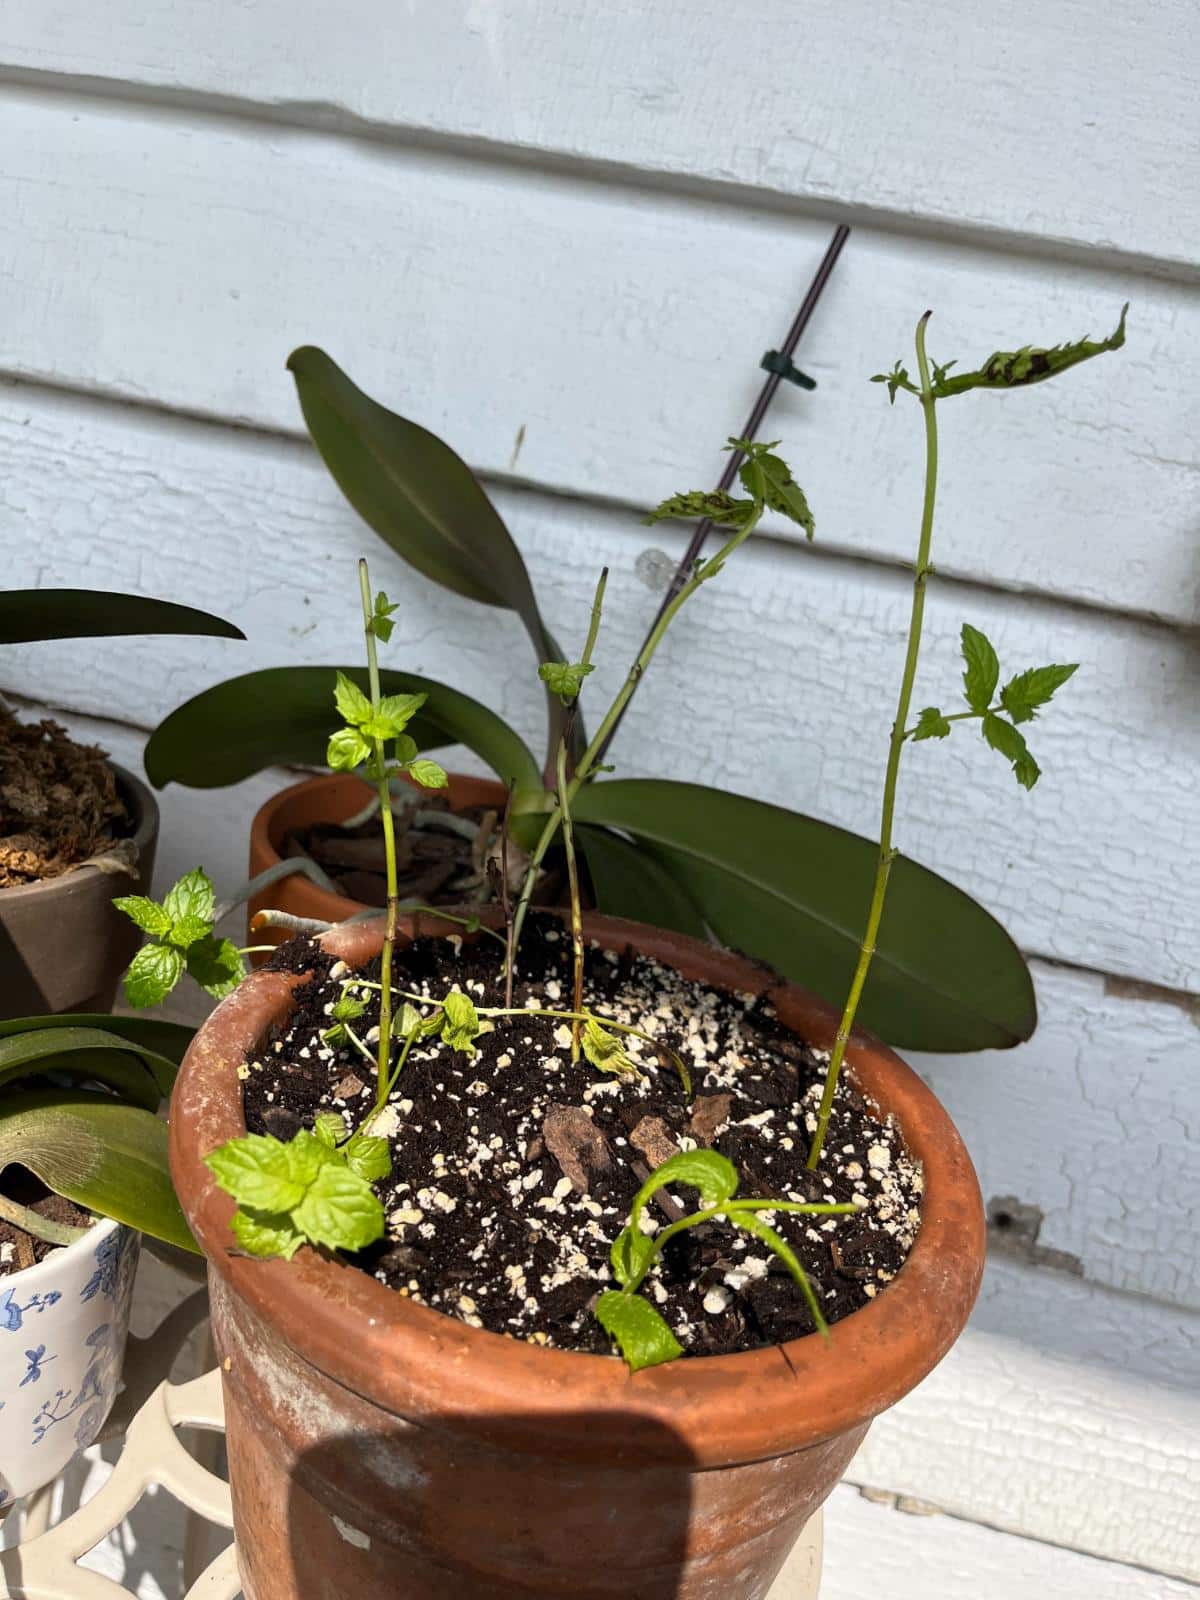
(578, 226)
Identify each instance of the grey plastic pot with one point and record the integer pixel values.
(63, 945)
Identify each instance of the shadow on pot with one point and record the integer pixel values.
(434, 1515)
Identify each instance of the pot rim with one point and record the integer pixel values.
(145, 810)
(64, 1255)
(430, 1368)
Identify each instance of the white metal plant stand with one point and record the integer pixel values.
(148, 1414)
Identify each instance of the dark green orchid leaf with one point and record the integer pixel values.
(794, 891)
(284, 716)
(28, 614)
(423, 500)
(109, 1157)
(166, 1039)
(628, 881)
(133, 1072)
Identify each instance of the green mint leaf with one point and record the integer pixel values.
(153, 973)
(428, 774)
(306, 1156)
(266, 1233)
(330, 1128)
(896, 379)
(460, 1022)
(381, 623)
(707, 1171)
(407, 1020)
(1004, 737)
(769, 479)
(604, 1050)
(640, 1333)
(353, 705)
(931, 724)
(188, 931)
(1013, 369)
(391, 717)
(148, 914)
(192, 896)
(347, 750)
(982, 668)
(340, 1210)
(216, 965)
(406, 749)
(749, 1223)
(255, 1169)
(368, 1156)
(1023, 695)
(347, 1007)
(716, 505)
(565, 678)
(632, 1252)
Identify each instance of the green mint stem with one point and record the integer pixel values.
(389, 849)
(39, 1227)
(815, 1209)
(564, 808)
(592, 754)
(886, 853)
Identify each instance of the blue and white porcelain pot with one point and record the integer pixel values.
(63, 1324)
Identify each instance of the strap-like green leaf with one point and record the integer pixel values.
(284, 715)
(794, 891)
(134, 1072)
(628, 881)
(151, 1035)
(109, 1157)
(27, 614)
(421, 497)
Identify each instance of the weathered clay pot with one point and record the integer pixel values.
(330, 798)
(377, 1448)
(63, 944)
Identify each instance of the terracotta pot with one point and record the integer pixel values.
(63, 945)
(378, 1448)
(330, 798)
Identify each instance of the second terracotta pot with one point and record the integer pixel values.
(332, 797)
(378, 1448)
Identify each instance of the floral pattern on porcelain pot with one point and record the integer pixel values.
(63, 1325)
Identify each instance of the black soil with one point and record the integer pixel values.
(19, 1249)
(513, 1170)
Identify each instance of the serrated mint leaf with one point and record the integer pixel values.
(982, 668)
(1023, 695)
(1002, 736)
(896, 379)
(931, 724)
(716, 505)
(565, 678)
(266, 1233)
(398, 710)
(330, 1128)
(381, 623)
(460, 1023)
(347, 750)
(368, 1156)
(604, 1050)
(339, 1210)
(632, 1252)
(148, 914)
(769, 479)
(256, 1171)
(353, 705)
(187, 930)
(428, 774)
(406, 748)
(216, 965)
(153, 973)
(642, 1336)
(1011, 369)
(712, 1174)
(192, 896)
